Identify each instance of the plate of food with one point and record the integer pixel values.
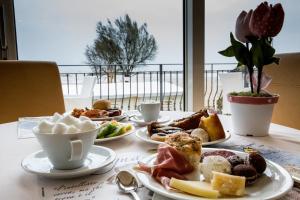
(100, 111)
(159, 139)
(175, 172)
(200, 124)
(112, 130)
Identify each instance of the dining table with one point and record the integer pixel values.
(282, 145)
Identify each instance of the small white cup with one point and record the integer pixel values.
(149, 110)
(66, 151)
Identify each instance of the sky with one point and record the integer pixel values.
(60, 30)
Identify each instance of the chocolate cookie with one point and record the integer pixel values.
(257, 161)
(235, 160)
(247, 171)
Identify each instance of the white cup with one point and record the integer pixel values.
(66, 151)
(149, 110)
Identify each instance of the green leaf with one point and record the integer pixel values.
(239, 64)
(268, 50)
(241, 52)
(257, 54)
(272, 60)
(229, 52)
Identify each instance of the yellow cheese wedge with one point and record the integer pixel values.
(228, 184)
(197, 188)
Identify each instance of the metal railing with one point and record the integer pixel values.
(149, 82)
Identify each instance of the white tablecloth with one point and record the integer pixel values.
(17, 184)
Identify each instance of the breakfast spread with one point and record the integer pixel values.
(216, 173)
(64, 124)
(113, 129)
(205, 126)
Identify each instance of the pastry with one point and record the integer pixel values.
(77, 112)
(156, 127)
(190, 122)
(102, 104)
(188, 145)
(114, 112)
(213, 127)
(214, 163)
(159, 137)
(95, 113)
(257, 161)
(201, 133)
(247, 171)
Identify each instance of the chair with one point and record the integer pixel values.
(286, 83)
(84, 99)
(29, 88)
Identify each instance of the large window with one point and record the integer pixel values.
(63, 30)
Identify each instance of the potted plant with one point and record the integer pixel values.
(252, 111)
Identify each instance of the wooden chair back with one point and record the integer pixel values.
(286, 83)
(29, 88)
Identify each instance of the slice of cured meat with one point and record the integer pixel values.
(169, 163)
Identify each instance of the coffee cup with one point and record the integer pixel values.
(66, 151)
(149, 111)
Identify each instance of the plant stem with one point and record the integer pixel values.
(250, 70)
(250, 77)
(259, 78)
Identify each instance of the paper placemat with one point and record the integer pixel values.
(26, 124)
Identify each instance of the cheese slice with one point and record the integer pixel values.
(228, 184)
(197, 188)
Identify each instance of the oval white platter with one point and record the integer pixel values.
(116, 137)
(143, 135)
(274, 183)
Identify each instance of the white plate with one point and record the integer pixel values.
(116, 137)
(143, 135)
(109, 118)
(97, 159)
(274, 183)
(138, 119)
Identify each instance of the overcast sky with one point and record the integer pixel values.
(59, 30)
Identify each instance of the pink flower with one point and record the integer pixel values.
(267, 20)
(242, 29)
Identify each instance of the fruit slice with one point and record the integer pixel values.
(228, 184)
(197, 188)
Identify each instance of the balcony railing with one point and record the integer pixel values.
(156, 82)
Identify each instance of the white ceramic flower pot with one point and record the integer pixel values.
(251, 116)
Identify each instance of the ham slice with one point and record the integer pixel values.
(169, 163)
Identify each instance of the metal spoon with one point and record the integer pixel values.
(127, 183)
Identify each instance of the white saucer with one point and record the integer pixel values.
(139, 120)
(98, 158)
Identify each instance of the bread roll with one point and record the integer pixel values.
(102, 104)
(189, 146)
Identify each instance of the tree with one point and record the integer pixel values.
(123, 45)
